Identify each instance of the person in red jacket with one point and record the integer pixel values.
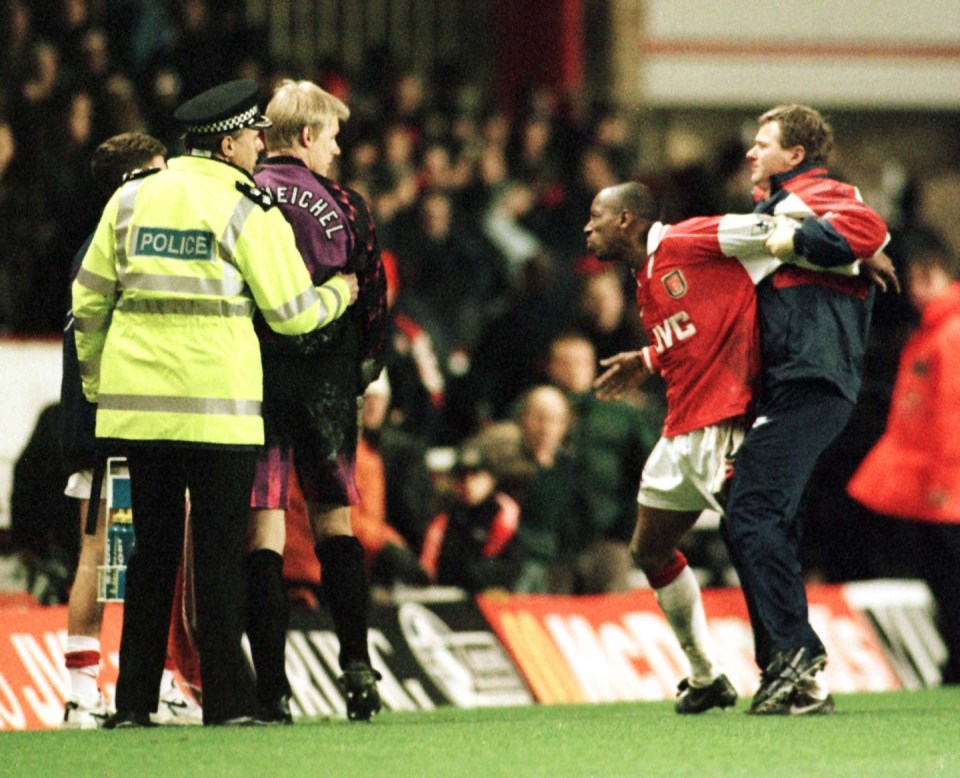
(913, 472)
(474, 543)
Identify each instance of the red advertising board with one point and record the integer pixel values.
(428, 654)
(33, 679)
(558, 650)
(619, 647)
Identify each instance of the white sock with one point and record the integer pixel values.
(681, 604)
(82, 656)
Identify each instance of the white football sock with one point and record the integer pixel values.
(84, 678)
(681, 604)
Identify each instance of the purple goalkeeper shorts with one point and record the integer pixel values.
(310, 423)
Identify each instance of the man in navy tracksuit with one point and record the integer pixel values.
(813, 336)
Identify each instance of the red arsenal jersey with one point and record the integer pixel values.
(698, 305)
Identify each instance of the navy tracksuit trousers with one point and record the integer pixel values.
(795, 424)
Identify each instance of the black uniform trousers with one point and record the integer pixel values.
(795, 424)
(219, 482)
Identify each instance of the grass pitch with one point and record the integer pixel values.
(903, 734)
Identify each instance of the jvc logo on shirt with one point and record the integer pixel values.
(173, 244)
(672, 329)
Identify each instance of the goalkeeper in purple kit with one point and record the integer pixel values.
(312, 385)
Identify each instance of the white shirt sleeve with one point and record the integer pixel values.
(742, 235)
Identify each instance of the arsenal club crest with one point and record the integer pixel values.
(675, 283)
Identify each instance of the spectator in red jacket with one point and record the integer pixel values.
(474, 543)
(913, 472)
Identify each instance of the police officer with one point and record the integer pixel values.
(163, 304)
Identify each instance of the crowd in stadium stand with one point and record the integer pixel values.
(479, 212)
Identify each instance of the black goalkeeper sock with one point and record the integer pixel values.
(347, 594)
(268, 614)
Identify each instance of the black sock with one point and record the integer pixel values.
(268, 613)
(347, 594)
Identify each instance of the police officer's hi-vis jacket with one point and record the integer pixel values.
(164, 303)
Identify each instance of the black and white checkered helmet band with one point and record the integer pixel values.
(229, 124)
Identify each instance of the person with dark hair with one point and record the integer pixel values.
(163, 304)
(813, 329)
(913, 472)
(123, 156)
(312, 386)
(473, 544)
(695, 288)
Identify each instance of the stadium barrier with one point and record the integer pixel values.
(616, 648)
(438, 647)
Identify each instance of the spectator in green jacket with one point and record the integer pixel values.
(532, 463)
(610, 442)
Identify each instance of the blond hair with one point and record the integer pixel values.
(299, 104)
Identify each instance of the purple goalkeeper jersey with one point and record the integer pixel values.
(335, 233)
(322, 229)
